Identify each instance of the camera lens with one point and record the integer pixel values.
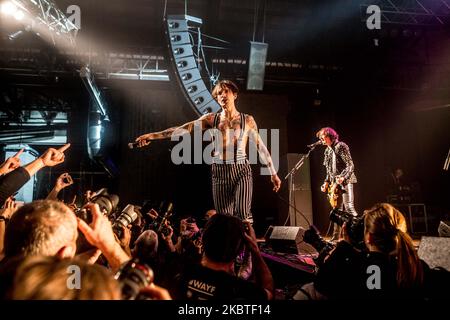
(85, 215)
(134, 276)
(340, 217)
(106, 202)
(128, 216)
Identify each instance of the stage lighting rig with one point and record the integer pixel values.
(43, 17)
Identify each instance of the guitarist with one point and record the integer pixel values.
(340, 169)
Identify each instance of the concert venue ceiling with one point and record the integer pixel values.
(323, 58)
(309, 41)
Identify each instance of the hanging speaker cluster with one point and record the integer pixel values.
(185, 66)
(257, 65)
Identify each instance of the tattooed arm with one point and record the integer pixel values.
(263, 152)
(205, 122)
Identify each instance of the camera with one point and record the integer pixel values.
(106, 202)
(323, 247)
(355, 226)
(158, 223)
(313, 237)
(132, 277)
(126, 217)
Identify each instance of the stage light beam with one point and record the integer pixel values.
(8, 8)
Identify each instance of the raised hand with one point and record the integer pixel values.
(99, 233)
(11, 163)
(8, 208)
(89, 195)
(153, 214)
(144, 140)
(52, 157)
(63, 181)
(168, 236)
(73, 205)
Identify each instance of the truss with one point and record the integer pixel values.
(410, 12)
(45, 16)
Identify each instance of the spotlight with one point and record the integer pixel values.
(19, 15)
(8, 8)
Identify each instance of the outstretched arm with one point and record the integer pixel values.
(263, 152)
(204, 122)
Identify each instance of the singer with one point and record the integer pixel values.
(340, 168)
(232, 181)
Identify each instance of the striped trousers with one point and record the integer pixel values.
(232, 187)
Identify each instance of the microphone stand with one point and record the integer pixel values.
(290, 175)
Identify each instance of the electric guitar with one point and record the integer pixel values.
(334, 193)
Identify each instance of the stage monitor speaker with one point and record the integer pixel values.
(435, 251)
(288, 240)
(184, 65)
(256, 65)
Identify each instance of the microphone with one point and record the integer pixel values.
(314, 144)
(133, 145)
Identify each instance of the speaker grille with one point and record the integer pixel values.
(185, 67)
(257, 65)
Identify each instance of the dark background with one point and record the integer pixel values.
(389, 102)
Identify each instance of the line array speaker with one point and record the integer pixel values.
(185, 66)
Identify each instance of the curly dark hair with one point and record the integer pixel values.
(328, 132)
(222, 84)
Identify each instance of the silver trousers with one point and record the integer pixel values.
(348, 205)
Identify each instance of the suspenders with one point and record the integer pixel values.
(239, 153)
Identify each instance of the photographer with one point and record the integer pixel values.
(223, 239)
(388, 268)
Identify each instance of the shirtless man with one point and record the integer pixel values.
(232, 182)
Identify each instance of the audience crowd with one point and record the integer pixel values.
(51, 250)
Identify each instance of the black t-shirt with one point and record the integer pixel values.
(201, 283)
